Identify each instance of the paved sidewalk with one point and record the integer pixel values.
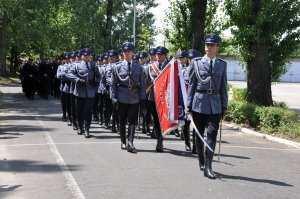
(281, 92)
(41, 157)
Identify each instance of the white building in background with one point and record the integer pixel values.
(236, 72)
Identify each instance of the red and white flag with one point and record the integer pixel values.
(166, 97)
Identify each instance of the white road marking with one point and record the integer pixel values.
(146, 142)
(70, 181)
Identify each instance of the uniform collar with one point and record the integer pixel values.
(208, 59)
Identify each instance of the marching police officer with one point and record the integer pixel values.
(128, 90)
(84, 75)
(29, 76)
(207, 98)
(61, 87)
(143, 56)
(185, 72)
(152, 72)
(105, 86)
(65, 88)
(100, 67)
(191, 54)
(75, 60)
(44, 71)
(112, 57)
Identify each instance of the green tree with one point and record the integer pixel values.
(189, 21)
(51, 27)
(266, 33)
(6, 11)
(145, 39)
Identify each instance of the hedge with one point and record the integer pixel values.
(271, 120)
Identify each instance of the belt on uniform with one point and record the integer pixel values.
(128, 86)
(208, 91)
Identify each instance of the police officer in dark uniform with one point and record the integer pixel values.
(152, 73)
(128, 90)
(105, 85)
(61, 87)
(143, 59)
(84, 75)
(29, 75)
(75, 59)
(191, 54)
(185, 134)
(148, 117)
(66, 87)
(207, 99)
(99, 66)
(44, 71)
(112, 57)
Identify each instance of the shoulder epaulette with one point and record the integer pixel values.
(197, 59)
(222, 60)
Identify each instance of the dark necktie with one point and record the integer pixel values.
(87, 65)
(129, 68)
(211, 66)
(159, 66)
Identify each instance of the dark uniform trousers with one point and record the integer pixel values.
(84, 109)
(156, 125)
(100, 107)
(127, 113)
(108, 108)
(211, 122)
(95, 108)
(66, 105)
(73, 112)
(115, 118)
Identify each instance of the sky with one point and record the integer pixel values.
(159, 14)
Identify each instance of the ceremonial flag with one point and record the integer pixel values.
(168, 104)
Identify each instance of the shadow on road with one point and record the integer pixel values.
(32, 166)
(273, 182)
(6, 188)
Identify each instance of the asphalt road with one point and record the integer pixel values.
(41, 157)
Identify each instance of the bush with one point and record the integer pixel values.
(239, 94)
(229, 86)
(280, 104)
(242, 112)
(272, 118)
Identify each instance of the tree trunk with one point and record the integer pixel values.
(109, 12)
(3, 37)
(198, 15)
(259, 72)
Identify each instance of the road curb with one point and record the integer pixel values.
(268, 137)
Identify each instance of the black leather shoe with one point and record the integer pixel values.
(75, 127)
(144, 130)
(107, 126)
(80, 132)
(123, 146)
(194, 150)
(153, 135)
(159, 149)
(87, 133)
(113, 129)
(209, 173)
(202, 167)
(130, 148)
(177, 133)
(64, 118)
(188, 147)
